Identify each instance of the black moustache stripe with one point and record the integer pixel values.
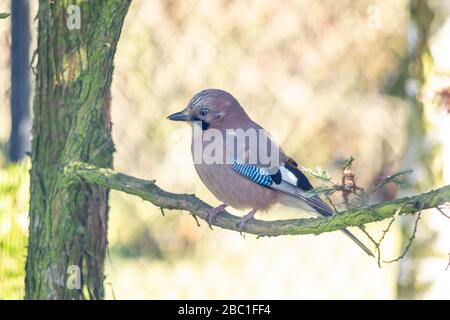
(205, 125)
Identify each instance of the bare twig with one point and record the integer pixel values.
(377, 246)
(413, 235)
(330, 201)
(442, 212)
(385, 231)
(392, 178)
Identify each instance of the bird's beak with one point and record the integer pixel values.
(180, 116)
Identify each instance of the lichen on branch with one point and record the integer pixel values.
(148, 190)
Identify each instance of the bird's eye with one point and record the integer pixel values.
(203, 112)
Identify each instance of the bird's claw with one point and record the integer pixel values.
(245, 219)
(213, 213)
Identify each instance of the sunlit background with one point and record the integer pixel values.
(333, 79)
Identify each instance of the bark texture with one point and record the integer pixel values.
(68, 224)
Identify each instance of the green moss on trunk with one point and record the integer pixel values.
(71, 122)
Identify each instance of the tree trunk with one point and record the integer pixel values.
(417, 155)
(68, 221)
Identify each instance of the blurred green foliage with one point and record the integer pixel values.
(14, 196)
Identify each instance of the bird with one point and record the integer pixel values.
(237, 174)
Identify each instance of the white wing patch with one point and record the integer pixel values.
(288, 176)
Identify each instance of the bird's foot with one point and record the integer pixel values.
(245, 219)
(213, 212)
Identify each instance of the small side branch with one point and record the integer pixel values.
(410, 241)
(148, 190)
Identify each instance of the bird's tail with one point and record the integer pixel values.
(358, 242)
(325, 210)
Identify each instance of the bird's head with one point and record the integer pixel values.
(212, 108)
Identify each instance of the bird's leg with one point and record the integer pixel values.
(245, 219)
(213, 212)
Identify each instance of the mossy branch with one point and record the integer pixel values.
(148, 190)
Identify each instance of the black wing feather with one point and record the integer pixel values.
(302, 181)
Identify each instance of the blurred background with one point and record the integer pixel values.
(367, 79)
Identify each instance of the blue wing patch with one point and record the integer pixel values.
(254, 173)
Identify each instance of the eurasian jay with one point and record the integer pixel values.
(238, 175)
